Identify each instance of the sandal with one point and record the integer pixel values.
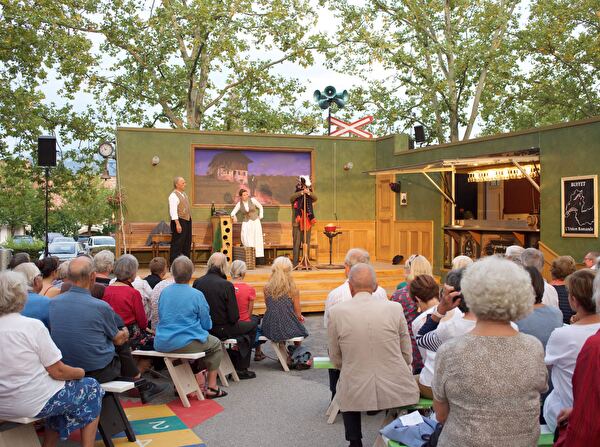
(218, 392)
(259, 356)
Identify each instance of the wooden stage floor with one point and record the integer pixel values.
(314, 285)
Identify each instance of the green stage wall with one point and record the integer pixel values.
(348, 194)
(566, 150)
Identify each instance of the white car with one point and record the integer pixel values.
(99, 243)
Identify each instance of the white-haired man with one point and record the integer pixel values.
(37, 306)
(369, 342)
(532, 257)
(181, 220)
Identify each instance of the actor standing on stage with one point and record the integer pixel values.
(252, 212)
(303, 193)
(181, 220)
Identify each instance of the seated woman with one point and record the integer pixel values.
(544, 319)
(562, 267)
(39, 384)
(487, 383)
(565, 343)
(415, 266)
(158, 271)
(49, 269)
(184, 322)
(425, 291)
(245, 296)
(127, 303)
(283, 318)
(104, 262)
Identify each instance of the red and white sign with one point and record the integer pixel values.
(355, 127)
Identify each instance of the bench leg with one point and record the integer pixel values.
(113, 420)
(22, 435)
(279, 349)
(184, 380)
(226, 367)
(332, 411)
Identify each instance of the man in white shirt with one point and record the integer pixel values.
(342, 293)
(590, 259)
(532, 257)
(181, 220)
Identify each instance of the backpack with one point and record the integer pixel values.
(301, 357)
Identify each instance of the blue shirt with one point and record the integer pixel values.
(183, 316)
(541, 322)
(83, 328)
(37, 307)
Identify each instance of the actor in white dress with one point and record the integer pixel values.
(252, 212)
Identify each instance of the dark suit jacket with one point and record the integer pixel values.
(220, 295)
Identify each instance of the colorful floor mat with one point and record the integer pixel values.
(157, 426)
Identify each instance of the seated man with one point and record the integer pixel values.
(85, 330)
(370, 344)
(225, 314)
(37, 305)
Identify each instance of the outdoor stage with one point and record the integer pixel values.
(314, 285)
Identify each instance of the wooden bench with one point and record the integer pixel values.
(280, 350)
(278, 237)
(226, 367)
(113, 420)
(180, 371)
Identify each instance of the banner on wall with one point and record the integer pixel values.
(579, 206)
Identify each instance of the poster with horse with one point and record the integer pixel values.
(579, 197)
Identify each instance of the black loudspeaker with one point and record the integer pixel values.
(419, 134)
(47, 151)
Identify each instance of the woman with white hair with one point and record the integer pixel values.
(283, 318)
(415, 266)
(34, 382)
(461, 261)
(487, 383)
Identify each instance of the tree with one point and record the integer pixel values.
(87, 202)
(443, 58)
(20, 200)
(180, 62)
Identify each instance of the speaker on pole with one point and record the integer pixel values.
(419, 134)
(47, 151)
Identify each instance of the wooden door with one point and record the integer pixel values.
(386, 212)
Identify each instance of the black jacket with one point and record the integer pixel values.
(220, 295)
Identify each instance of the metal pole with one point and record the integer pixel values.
(46, 223)
(329, 121)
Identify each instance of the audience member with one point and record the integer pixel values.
(370, 344)
(158, 271)
(37, 305)
(61, 275)
(544, 319)
(532, 257)
(184, 322)
(582, 428)
(155, 297)
(225, 315)
(18, 258)
(283, 317)
(397, 260)
(425, 291)
(342, 293)
(461, 262)
(85, 330)
(590, 259)
(565, 343)
(415, 266)
(34, 382)
(487, 383)
(48, 267)
(245, 295)
(127, 303)
(562, 267)
(513, 253)
(104, 262)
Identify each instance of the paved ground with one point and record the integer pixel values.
(278, 408)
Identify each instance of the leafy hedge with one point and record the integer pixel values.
(32, 249)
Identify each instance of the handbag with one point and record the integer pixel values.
(419, 435)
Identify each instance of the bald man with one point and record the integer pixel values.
(369, 332)
(181, 220)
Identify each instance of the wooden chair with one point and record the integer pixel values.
(226, 367)
(113, 419)
(280, 350)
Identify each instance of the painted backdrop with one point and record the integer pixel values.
(269, 175)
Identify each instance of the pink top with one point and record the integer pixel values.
(127, 302)
(244, 294)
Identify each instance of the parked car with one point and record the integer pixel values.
(63, 239)
(98, 243)
(64, 251)
(52, 236)
(83, 240)
(23, 239)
